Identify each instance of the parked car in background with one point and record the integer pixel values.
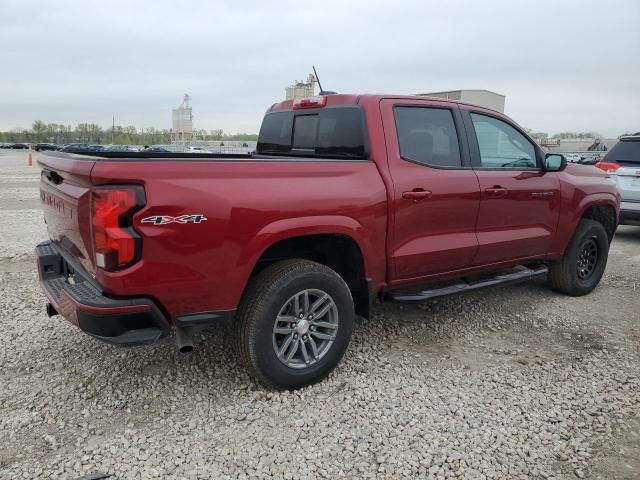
(19, 146)
(156, 149)
(81, 148)
(116, 148)
(573, 157)
(120, 148)
(590, 160)
(622, 162)
(75, 147)
(198, 150)
(45, 146)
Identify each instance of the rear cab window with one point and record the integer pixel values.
(333, 132)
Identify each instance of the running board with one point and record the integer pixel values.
(519, 274)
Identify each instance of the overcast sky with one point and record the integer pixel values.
(563, 65)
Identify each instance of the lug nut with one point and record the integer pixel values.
(310, 317)
(301, 315)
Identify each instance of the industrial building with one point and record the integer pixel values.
(301, 89)
(182, 123)
(569, 145)
(483, 98)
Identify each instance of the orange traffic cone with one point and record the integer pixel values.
(30, 157)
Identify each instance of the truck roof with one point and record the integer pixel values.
(354, 99)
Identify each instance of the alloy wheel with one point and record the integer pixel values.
(305, 328)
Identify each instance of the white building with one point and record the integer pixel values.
(182, 122)
(566, 145)
(302, 89)
(482, 98)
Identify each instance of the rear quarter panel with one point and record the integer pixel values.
(249, 205)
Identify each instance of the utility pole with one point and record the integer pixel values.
(113, 128)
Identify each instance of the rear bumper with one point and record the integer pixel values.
(630, 217)
(74, 294)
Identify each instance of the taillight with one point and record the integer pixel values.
(116, 243)
(608, 167)
(310, 102)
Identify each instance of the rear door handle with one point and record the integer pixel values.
(417, 194)
(496, 191)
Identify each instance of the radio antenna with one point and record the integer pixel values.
(318, 79)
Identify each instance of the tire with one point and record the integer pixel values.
(577, 273)
(272, 294)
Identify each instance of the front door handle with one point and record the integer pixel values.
(496, 191)
(417, 194)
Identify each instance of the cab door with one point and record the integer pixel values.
(520, 202)
(436, 196)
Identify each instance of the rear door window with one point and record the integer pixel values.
(428, 136)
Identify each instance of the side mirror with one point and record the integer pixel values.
(554, 162)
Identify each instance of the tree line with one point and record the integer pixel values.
(543, 136)
(41, 132)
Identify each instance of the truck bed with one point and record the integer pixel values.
(245, 202)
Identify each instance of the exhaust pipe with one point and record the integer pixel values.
(51, 311)
(184, 339)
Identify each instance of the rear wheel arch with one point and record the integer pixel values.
(338, 251)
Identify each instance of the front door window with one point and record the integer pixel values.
(501, 145)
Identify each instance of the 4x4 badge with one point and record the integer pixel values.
(182, 219)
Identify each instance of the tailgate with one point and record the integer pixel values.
(628, 180)
(65, 185)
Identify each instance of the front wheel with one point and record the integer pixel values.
(294, 323)
(579, 271)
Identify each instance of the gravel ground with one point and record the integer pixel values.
(515, 382)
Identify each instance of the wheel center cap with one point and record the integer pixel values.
(302, 327)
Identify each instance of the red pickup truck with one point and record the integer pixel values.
(347, 199)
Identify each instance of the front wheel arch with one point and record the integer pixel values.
(605, 215)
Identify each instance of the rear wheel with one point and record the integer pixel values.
(583, 264)
(294, 323)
